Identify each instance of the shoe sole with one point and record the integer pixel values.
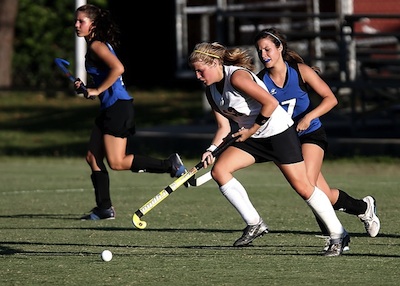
(94, 216)
(107, 218)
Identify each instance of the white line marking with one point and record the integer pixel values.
(43, 191)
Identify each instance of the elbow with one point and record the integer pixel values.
(331, 100)
(117, 69)
(121, 70)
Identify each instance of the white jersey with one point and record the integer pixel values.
(244, 109)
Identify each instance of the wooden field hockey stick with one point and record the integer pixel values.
(136, 218)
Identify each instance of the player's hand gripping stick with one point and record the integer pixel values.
(62, 65)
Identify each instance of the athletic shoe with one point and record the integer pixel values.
(251, 232)
(346, 246)
(336, 246)
(98, 214)
(369, 218)
(177, 167)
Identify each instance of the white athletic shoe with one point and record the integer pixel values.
(371, 222)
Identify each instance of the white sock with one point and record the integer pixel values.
(237, 196)
(322, 207)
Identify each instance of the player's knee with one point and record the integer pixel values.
(217, 173)
(115, 165)
(90, 158)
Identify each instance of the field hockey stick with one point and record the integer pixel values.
(136, 218)
(62, 65)
(196, 182)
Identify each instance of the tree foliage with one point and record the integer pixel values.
(44, 30)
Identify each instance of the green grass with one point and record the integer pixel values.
(45, 188)
(189, 235)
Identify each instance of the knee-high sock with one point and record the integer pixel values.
(321, 225)
(147, 164)
(349, 204)
(346, 204)
(322, 207)
(96, 191)
(237, 196)
(101, 184)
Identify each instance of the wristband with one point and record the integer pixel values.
(211, 148)
(261, 119)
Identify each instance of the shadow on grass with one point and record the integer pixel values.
(281, 250)
(161, 230)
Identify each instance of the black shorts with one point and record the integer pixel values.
(118, 119)
(317, 137)
(283, 148)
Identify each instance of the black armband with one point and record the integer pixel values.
(261, 119)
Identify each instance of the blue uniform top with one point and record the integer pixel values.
(115, 92)
(293, 96)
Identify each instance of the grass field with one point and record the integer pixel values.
(189, 235)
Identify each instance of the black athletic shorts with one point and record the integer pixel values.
(283, 148)
(118, 119)
(317, 137)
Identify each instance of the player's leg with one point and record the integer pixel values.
(117, 125)
(313, 156)
(118, 160)
(365, 208)
(172, 165)
(100, 178)
(319, 203)
(230, 161)
(313, 146)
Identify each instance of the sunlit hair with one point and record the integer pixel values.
(104, 28)
(279, 39)
(209, 52)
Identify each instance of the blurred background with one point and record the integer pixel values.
(354, 42)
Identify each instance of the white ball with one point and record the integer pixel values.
(106, 255)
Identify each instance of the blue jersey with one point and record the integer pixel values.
(293, 96)
(98, 73)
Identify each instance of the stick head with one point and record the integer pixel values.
(62, 64)
(138, 223)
